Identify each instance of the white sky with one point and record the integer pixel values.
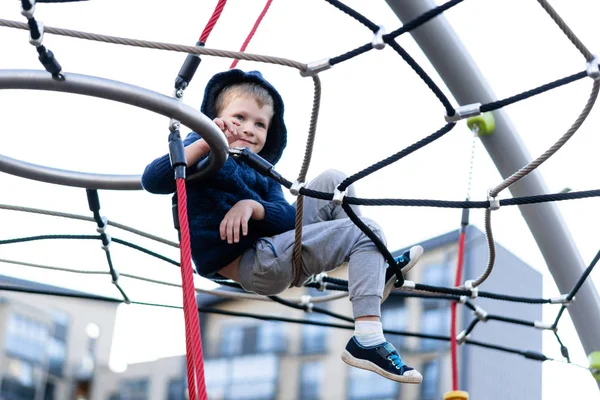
(373, 106)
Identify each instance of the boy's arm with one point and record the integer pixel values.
(158, 176)
(279, 214)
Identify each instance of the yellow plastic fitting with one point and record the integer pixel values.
(594, 359)
(484, 123)
(456, 395)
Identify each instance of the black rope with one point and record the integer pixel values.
(393, 158)
(146, 251)
(88, 237)
(377, 241)
(354, 14)
(527, 354)
(576, 288)
(420, 20)
(516, 201)
(389, 39)
(471, 326)
(423, 75)
(45, 237)
(530, 93)
(564, 351)
(510, 320)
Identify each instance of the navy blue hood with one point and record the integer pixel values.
(277, 133)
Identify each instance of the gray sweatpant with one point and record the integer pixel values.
(329, 238)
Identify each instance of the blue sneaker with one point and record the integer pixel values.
(407, 260)
(382, 359)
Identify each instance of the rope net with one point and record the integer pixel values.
(459, 294)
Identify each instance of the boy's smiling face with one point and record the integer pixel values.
(254, 121)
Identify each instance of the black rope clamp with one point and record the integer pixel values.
(187, 71)
(253, 160)
(50, 63)
(177, 154)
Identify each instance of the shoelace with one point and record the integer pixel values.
(396, 360)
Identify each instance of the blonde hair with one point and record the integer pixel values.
(258, 92)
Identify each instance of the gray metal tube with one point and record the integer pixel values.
(455, 66)
(116, 91)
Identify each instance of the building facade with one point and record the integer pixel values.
(251, 359)
(51, 344)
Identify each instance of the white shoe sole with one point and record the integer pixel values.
(412, 376)
(415, 254)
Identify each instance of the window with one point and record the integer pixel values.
(314, 337)
(267, 337)
(436, 275)
(49, 391)
(176, 389)
(311, 379)
(19, 381)
(429, 387)
(367, 385)
(393, 317)
(26, 338)
(434, 321)
(271, 337)
(134, 389)
(231, 343)
(252, 378)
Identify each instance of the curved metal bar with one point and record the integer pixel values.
(122, 93)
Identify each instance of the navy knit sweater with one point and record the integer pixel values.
(210, 199)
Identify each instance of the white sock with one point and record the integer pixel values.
(368, 333)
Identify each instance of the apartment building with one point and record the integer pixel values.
(51, 344)
(248, 358)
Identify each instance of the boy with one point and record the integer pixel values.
(242, 227)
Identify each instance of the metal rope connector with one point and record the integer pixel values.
(102, 229)
(461, 338)
(593, 69)
(494, 201)
(545, 326)
(338, 197)
(474, 290)
(466, 111)
(318, 279)
(562, 299)
(305, 301)
(378, 42)
(481, 314)
(28, 13)
(409, 285)
(37, 42)
(106, 241)
(313, 68)
(296, 186)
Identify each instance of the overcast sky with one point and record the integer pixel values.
(372, 106)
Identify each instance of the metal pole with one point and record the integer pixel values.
(455, 66)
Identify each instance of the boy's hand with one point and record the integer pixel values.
(237, 217)
(229, 127)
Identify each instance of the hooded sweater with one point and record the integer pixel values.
(209, 199)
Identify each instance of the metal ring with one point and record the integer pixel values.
(122, 93)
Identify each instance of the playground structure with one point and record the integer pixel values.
(434, 35)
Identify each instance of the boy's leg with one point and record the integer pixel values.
(267, 269)
(316, 210)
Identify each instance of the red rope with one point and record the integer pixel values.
(453, 345)
(193, 342)
(212, 21)
(252, 32)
